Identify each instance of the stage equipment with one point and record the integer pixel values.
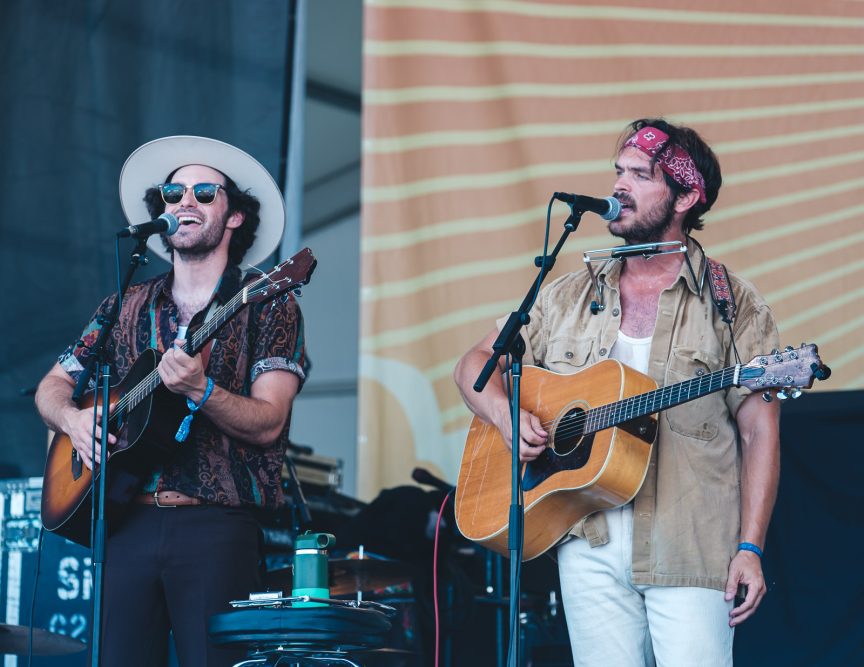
(275, 630)
(65, 586)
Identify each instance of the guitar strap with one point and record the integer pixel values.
(721, 291)
(722, 296)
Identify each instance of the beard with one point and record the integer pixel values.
(209, 239)
(651, 228)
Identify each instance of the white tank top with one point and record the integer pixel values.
(633, 352)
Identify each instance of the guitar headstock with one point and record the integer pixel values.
(790, 371)
(289, 275)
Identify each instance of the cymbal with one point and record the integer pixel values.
(14, 639)
(350, 575)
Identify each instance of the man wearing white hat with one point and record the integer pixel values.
(188, 544)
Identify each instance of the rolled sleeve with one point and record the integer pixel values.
(280, 343)
(756, 335)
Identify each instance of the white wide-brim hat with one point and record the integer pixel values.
(150, 164)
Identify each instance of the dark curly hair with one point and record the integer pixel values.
(238, 200)
(703, 156)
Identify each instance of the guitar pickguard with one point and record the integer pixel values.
(549, 463)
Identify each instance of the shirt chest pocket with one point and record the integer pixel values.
(699, 417)
(568, 354)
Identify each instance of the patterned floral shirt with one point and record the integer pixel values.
(261, 337)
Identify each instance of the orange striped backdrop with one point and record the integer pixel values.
(476, 111)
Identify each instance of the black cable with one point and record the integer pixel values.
(545, 254)
(33, 600)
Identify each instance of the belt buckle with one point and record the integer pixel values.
(158, 504)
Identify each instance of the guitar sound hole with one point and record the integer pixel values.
(569, 431)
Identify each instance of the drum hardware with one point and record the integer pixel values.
(278, 631)
(273, 600)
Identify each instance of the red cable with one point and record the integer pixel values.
(435, 577)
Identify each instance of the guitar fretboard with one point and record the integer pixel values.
(648, 403)
(193, 346)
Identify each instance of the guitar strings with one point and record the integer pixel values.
(606, 416)
(617, 412)
(152, 380)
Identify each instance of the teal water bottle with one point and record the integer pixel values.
(310, 567)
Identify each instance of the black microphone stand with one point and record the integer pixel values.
(300, 514)
(510, 342)
(97, 493)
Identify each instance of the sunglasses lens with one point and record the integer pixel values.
(172, 193)
(205, 193)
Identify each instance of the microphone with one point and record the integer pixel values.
(423, 476)
(164, 224)
(608, 208)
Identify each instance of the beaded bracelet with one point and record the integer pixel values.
(186, 424)
(749, 546)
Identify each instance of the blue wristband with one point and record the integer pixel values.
(749, 546)
(186, 424)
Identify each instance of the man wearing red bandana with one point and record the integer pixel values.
(655, 581)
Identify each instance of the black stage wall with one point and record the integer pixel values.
(814, 610)
(83, 84)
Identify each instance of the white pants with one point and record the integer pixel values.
(613, 623)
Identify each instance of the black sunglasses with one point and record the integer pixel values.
(204, 193)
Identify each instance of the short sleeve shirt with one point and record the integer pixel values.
(260, 338)
(687, 512)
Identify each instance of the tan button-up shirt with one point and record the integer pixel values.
(686, 516)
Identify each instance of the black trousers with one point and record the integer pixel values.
(171, 569)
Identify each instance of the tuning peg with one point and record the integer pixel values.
(766, 397)
(774, 351)
(822, 372)
(781, 395)
(296, 292)
(796, 393)
(788, 348)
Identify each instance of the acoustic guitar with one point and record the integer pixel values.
(602, 425)
(144, 417)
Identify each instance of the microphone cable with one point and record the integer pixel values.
(435, 579)
(33, 600)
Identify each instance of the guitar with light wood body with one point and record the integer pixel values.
(602, 425)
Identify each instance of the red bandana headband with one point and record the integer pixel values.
(674, 160)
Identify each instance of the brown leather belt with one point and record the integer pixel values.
(167, 499)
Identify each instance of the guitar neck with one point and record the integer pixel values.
(193, 346)
(215, 322)
(612, 414)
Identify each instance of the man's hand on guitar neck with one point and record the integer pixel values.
(183, 374)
